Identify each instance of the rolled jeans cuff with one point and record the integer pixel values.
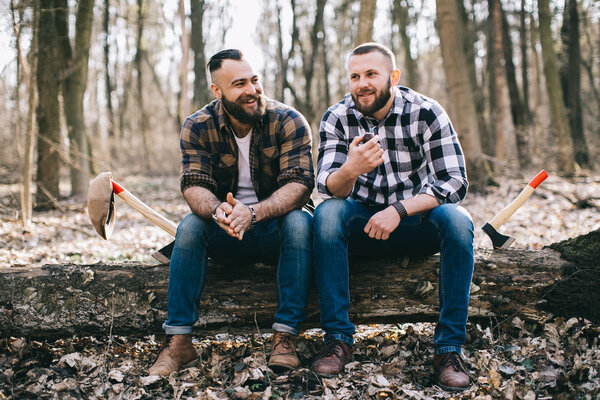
(446, 349)
(176, 330)
(279, 327)
(330, 337)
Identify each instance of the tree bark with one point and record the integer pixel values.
(74, 86)
(365, 21)
(108, 87)
(132, 298)
(183, 101)
(464, 112)
(517, 110)
(401, 19)
(201, 92)
(570, 74)
(139, 69)
(524, 63)
(48, 159)
(558, 113)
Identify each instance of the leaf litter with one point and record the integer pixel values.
(558, 359)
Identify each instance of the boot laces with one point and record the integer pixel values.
(330, 350)
(285, 341)
(453, 359)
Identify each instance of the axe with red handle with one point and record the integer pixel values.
(500, 241)
(101, 210)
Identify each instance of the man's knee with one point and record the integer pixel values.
(329, 217)
(297, 225)
(453, 220)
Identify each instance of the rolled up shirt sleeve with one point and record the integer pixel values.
(445, 160)
(195, 158)
(333, 150)
(295, 162)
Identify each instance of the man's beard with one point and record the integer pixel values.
(235, 109)
(381, 98)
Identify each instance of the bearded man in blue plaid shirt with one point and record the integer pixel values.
(391, 171)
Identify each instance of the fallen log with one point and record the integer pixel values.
(130, 298)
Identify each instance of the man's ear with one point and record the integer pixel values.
(395, 77)
(216, 91)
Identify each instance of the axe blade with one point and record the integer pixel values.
(499, 241)
(163, 255)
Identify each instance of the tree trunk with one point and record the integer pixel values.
(132, 298)
(558, 113)
(183, 103)
(74, 87)
(48, 159)
(524, 64)
(365, 21)
(201, 92)
(496, 79)
(517, 110)
(461, 93)
(107, 80)
(137, 61)
(571, 80)
(400, 16)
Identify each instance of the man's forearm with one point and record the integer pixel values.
(340, 182)
(420, 203)
(289, 197)
(202, 201)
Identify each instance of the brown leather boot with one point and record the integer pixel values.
(176, 351)
(451, 373)
(283, 355)
(331, 360)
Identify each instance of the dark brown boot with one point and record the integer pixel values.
(176, 351)
(283, 355)
(331, 360)
(450, 371)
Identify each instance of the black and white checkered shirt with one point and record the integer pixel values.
(421, 151)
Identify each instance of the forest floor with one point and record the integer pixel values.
(518, 360)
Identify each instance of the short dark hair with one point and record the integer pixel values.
(370, 47)
(216, 60)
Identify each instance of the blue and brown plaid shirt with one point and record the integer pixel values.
(421, 151)
(280, 151)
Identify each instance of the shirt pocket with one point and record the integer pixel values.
(223, 170)
(269, 161)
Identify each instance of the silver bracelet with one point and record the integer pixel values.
(253, 221)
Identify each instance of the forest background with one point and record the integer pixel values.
(90, 86)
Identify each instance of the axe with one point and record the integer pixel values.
(101, 209)
(500, 241)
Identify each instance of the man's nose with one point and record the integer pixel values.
(251, 89)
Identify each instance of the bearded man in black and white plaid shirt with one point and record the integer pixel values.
(391, 171)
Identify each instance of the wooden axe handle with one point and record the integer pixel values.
(509, 210)
(154, 217)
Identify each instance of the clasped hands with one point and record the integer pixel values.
(234, 217)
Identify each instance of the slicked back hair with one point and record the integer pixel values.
(371, 47)
(216, 60)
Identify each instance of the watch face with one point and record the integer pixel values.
(214, 215)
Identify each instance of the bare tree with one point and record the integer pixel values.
(183, 103)
(137, 61)
(75, 63)
(558, 113)
(201, 92)
(365, 21)
(107, 79)
(517, 110)
(400, 18)
(48, 160)
(461, 93)
(570, 73)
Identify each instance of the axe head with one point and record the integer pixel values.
(101, 205)
(499, 241)
(163, 255)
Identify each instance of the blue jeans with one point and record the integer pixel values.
(286, 239)
(338, 230)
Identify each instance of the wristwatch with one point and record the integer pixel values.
(214, 214)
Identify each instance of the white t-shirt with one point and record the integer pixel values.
(245, 190)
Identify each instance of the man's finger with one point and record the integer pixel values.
(231, 200)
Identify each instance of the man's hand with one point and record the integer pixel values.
(222, 218)
(383, 223)
(364, 158)
(240, 217)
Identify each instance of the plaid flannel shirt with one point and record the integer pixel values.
(280, 151)
(421, 151)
